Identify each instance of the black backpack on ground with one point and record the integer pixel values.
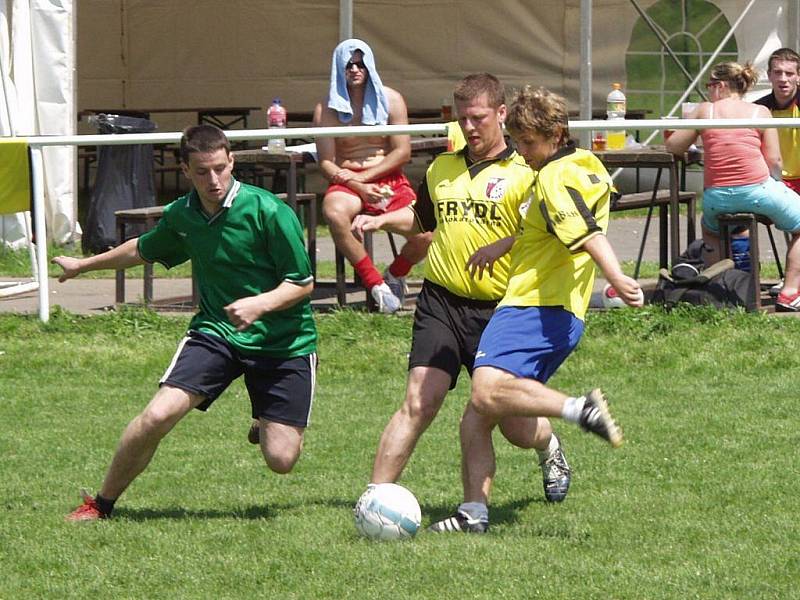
(719, 285)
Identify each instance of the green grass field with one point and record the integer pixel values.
(701, 500)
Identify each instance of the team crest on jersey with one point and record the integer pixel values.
(496, 188)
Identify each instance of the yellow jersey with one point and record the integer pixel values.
(470, 206)
(789, 138)
(569, 206)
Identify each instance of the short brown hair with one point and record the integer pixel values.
(541, 111)
(203, 138)
(784, 54)
(472, 86)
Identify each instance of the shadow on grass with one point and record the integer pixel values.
(253, 512)
(178, 514)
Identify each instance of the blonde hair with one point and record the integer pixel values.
(541, 111)
(740, 78)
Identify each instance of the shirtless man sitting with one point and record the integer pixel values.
(365, 172)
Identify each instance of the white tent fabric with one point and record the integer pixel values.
(36, 42)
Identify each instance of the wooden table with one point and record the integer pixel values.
(148, 217)
(291, 162)
(657, 158)
(223, 117)
(428, 145)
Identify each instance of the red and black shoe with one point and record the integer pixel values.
(88, 511)
(784, 303)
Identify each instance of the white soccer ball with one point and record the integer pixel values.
(387, 511)
(611, 299)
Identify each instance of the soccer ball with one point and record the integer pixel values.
(387, 511)
(611, 299)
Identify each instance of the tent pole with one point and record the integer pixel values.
(586, 71)
(345, 19)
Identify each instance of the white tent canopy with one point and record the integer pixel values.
(38, 58)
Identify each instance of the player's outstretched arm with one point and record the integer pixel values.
(123, 256)
(603, 255)
(245, 311)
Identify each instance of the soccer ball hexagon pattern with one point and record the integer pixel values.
(387, 511)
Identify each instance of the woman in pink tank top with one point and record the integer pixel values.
(743, 169)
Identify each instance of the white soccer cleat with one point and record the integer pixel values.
(387, 302)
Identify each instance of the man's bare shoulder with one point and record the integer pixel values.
(324, 115)
(398, 112)
(394, 96)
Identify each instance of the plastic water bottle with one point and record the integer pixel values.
(615, 112)
(276, 118)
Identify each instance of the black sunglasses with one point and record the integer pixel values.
(354, 63)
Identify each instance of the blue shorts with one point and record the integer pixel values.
(770, 198)
(529, 341)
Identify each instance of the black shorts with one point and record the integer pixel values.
(447, 329)
(280, 389)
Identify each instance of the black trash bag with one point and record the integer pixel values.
(124, 180)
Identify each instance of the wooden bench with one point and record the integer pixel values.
(661, 200)
(149, 217)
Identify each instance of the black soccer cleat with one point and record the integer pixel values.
(556, 475)
(460, 522)
(596, 418)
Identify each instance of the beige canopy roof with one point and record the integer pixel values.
(148, 53)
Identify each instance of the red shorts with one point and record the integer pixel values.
(403, 193)
(793, 184)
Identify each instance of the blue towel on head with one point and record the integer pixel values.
(376, 103)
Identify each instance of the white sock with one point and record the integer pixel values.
(572, 409)
(552, 446)
(475, 510)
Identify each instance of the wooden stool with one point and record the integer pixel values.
(727, 223)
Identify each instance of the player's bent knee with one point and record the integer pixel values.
(158, 419)
(281, 446)
(484, 404)
(338, 211)
(282, 463)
